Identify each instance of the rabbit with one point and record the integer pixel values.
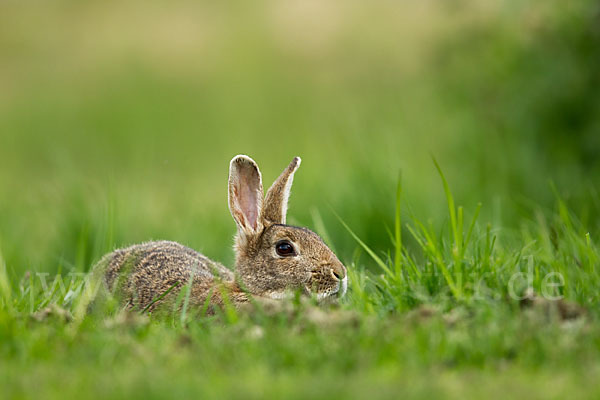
(273, 260)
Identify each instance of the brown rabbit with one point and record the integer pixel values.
(272, 259)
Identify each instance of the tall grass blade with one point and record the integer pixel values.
(362, 244)
(398, 228)
(450, 200)
(472, 225)
(5, 288)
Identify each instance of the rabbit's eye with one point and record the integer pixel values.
(285, 248)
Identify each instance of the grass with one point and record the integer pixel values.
(117, 122)
(456, 318)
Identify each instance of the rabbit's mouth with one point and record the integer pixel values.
(335, 292)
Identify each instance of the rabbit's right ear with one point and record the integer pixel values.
(276, 201)
(245, 194)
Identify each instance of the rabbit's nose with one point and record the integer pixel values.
(338, 271)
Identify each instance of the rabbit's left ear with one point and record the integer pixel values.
(276, 200)
(245, 195)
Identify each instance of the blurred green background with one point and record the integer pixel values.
(118, 119)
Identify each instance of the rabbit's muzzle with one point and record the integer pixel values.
(328, 280)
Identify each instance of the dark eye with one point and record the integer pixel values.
(285, 248)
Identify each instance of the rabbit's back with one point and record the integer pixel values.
(144, 272)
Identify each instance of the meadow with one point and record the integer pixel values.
(450, 159)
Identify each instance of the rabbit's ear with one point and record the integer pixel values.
(245, 194)
(277, 196)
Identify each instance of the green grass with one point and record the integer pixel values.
(117, 123)
(448, 320)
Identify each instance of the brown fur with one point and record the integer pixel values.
(142, 273)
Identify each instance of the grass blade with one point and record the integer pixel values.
(162, 296)
(472, 225)
(398, 228)
(450, 201)
(186, 301)
(362, 244)
(5, 288)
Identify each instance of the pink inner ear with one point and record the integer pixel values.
(248, 190)
(248, 205)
